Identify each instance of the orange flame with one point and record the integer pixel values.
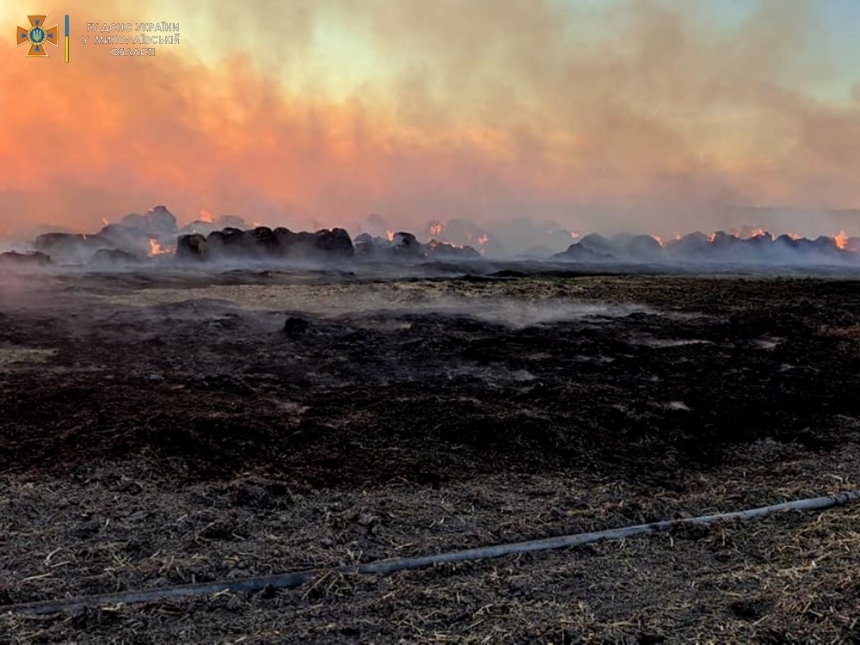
(794, 236)
(436, 228)
(104, 221)
(841, 240)
(483, 239)
(712, 237)
(747, 232)
(390, 235)
(574, 235)
(156, 249)
(205, 216)
(658, 239)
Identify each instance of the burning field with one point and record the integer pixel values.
(498, 321)
(171, 427)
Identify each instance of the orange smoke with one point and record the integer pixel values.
(652, 118)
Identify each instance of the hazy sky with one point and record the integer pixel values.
(650, 114)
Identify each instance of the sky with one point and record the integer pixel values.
(638, 115)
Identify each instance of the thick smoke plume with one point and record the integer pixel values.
(629, 116)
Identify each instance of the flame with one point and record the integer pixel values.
(156, 249)
(658, 239)
(483, 239)
(205, 216)
(390, 235)
(436, 228)
(104, 221)
(747, 232)
(712, 237)
(574, 235)
(794, 236)
(256, 224)
(841, 240)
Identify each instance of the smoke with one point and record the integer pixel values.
(374, 305)
(637, 116)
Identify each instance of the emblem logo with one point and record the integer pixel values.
(37, 35)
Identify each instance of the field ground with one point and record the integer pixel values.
(161, 429)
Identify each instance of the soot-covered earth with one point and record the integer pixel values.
(162, 428)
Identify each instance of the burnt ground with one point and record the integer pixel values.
(166, 429)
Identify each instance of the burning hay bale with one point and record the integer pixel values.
(444, 250)
(209, 224)
(405, 246)
(113, 243)
(158, 221)
(642, 247)
(132, 239)
(760, 248)
(120, 236)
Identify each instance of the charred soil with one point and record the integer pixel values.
(159, 431)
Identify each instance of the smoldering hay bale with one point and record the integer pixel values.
(16, 259)
(263, 243)
(192, 246)
(760, 249)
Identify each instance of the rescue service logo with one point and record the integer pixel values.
(37, 35)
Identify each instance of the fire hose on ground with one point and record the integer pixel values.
(297, 579)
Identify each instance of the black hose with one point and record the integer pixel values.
(297, 579)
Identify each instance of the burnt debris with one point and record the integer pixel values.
(294, 325)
